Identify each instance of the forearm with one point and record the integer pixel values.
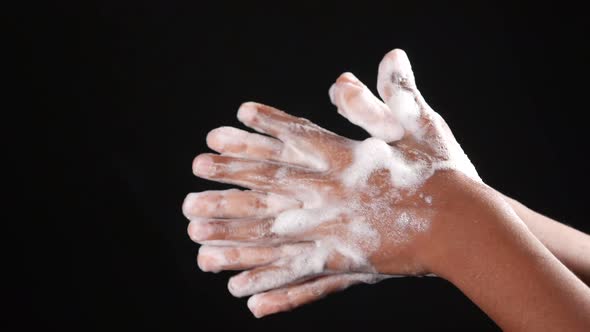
(498, 263)
(569, 245)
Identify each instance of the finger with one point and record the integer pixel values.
(397, 87)
(309, 262)
(234, 203)
(240, 143)
(306, 223)
(271, 121)
(291, 297)
(303, 139)
(215, 259)
(291, 225)
(276, 275)
(231, 231)
(252, 174)
(358, 104)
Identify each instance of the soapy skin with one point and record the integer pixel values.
(322, 204)
(325, 212)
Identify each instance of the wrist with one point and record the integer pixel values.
(487, 251)
(469, 218)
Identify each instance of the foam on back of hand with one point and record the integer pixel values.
(397, 87)
(350, 227)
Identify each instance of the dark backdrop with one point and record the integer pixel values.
(151, 79)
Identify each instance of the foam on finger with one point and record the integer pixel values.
(237, 142)
(291, 297)
(367, 205)
(215, 258)
(299, 135)
(357, 104)
(277, 275)
(234, 203)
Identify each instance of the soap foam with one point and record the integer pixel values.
(285, 272)
(294, 222)
(276, 203)
(359, 239)
(408, 221)
(357, 104)
(236, 142)
(373, 154)
(257, 303)
(293, 154)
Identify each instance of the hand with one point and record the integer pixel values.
(326, 211)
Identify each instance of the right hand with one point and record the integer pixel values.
(328, 212)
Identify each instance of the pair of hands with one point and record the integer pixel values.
(323, 211)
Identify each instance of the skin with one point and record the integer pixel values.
(302, 167)
(569, 245)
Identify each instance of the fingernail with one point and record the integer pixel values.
(254, 306)
(247, 112)
(211, 259)
(399, 60)
(200, 231)
(237, 286)
(203, 166)
(331, 93)
(206, 263)
(219, 138)
(350, 78)
(188, 205)
(238, 282)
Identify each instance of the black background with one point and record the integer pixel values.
(150, 79)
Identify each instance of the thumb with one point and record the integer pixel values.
(358, 104)
(397, 87)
